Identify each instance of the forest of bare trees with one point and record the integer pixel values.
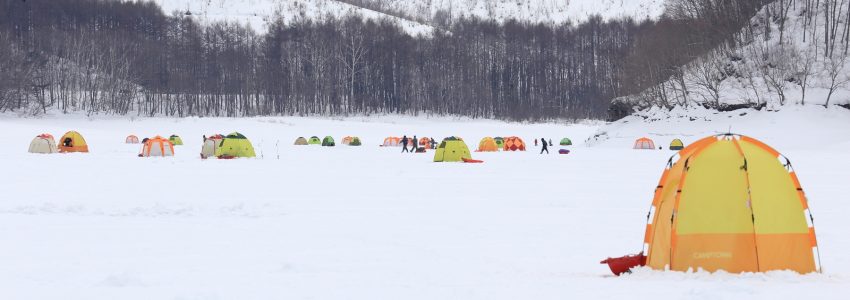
(113, 57)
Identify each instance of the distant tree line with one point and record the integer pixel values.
(119, 57)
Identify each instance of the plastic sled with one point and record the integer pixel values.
(472, 161)
(620, 265)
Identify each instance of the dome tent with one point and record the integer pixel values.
(355, 141)
(235, 145)
(211, 145)
(644, 144)
(328, 141)
(44, 144)
(566, 142)
(301, 141)
(176, 140)
(487, 144)
(73, 141)
(314, 140)
(732, 203)
(131, 139)
(677, 145)
(157, 147)
(452, 149)
(500, 142)
(392, 142)
(514, 144)
(425, 142)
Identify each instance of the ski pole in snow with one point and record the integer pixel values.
(277, 148)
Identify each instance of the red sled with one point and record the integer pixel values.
(472, 161)
(620, 265)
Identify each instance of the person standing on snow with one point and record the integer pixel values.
(550, 143)
(415, 144)
(404, 141)
(535, 142)
(433, 144)
(545, 146)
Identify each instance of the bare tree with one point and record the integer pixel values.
(836, 75)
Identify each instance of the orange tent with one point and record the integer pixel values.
(347, 140)
(391, 142)
(514, 144)
(131, 139)
(730, 203)
(157, 146)
(487, 144)
(644, 143)
(425, 142)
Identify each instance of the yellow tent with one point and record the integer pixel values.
(235, 145)
(730, 203)
(72, 141)
(488, 144)
(677, 145)
(452, 149)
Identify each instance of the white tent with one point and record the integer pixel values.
(43, 143)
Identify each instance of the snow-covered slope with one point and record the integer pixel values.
(771, 67)
(258, 13)
(545, 11)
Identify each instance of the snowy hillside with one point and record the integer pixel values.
(777, 63)
(258, 12)
(545, 11)
(372, 223)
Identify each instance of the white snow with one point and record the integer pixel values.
(258, 13)
(371, 223)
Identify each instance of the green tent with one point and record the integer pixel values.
(355, 141)
(235, 145)
(500, 142)
(566, 142)
(314, 140)
(175, 140)
(452, 149)
(328, 142)
(300, 141)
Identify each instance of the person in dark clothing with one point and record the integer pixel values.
(404, 141)
(545, 146)
(415, 144)
(535, 142)
(433, 144)
(67, 142)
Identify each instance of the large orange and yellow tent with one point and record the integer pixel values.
(514, 144)
(730, 203)
(72, 141)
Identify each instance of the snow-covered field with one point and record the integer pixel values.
(371, 223)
